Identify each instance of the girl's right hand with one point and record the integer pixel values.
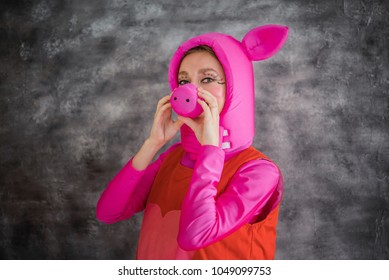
(164, 128)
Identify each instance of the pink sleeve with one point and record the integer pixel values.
(206, 218)
(127, 192)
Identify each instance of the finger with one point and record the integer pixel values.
(206, 108)
(188, 121)
(163, 101)
(207, 94)
(162, 109)
(177, 124)
(209, 99)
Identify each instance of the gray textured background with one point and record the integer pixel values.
(79, 81)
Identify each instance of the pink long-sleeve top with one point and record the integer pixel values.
(256, 188)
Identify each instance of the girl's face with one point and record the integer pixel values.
(203, 70)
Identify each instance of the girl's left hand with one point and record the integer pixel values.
(206, 126)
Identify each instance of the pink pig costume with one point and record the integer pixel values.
(207, 217)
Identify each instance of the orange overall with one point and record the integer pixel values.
(158, 236)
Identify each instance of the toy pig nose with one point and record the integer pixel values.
(184, 101)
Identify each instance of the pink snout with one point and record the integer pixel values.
(184, 101)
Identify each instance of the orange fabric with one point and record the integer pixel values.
(163, 229)
(251, 242)
(160, 225)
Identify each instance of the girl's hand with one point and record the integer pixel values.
(206, 126)
(164, 128)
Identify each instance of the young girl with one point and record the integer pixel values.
(211, 196)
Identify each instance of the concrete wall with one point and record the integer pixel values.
(79, 82)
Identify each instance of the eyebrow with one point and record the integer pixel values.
(202, 70)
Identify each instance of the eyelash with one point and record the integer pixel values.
(183, 82)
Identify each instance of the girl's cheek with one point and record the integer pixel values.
(215, 89)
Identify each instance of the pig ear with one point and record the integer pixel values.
(265, 41)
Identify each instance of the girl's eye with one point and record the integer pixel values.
(183, 82)
(207, 80)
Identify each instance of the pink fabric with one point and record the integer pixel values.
(237, 116)
(127, 192)
(264, 41)
(204, 218)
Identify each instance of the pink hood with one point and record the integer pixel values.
(237, 118)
